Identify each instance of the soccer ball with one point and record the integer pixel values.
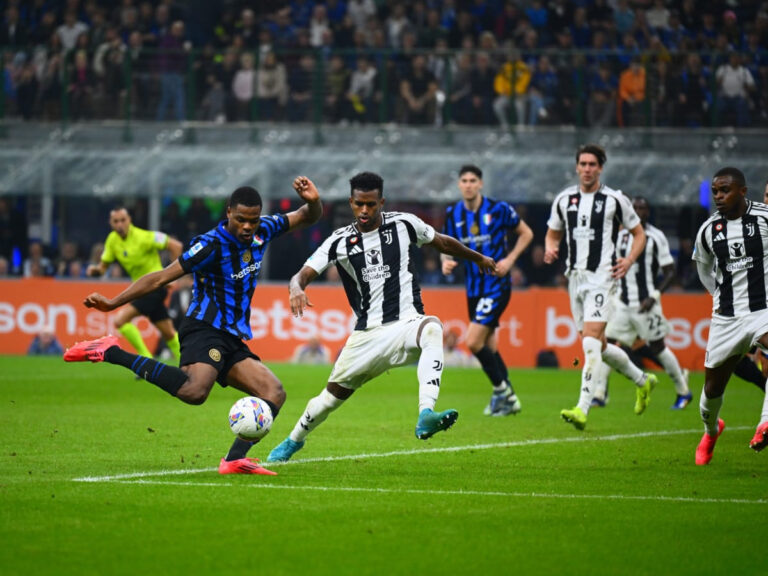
(250, 418)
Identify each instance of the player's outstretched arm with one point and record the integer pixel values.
(297, 297)
(452, 247)
(141, 287)
(313, 207)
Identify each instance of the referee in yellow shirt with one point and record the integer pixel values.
(138, 252)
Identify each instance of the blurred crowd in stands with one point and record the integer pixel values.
(477, 62)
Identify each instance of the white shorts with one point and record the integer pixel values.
(734, 336)
(628, 324)
(368, 353)
(591, 298)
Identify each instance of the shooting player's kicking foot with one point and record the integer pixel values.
(707, 445)
(243, 466)
(90, 350)
(575, 416)
(431, 422)
(283, 451)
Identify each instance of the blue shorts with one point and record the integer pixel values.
(487, 310)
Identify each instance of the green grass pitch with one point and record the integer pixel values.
(518, 495)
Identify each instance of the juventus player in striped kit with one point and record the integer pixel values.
(589, 215)
(731, 254)
(482, 224)
(637, 312)
(373, 258)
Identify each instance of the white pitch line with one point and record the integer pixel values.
(444, 449)
(454, 492)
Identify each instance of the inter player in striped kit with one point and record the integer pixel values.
(225, 262)
(731, 254)
(483, 224)
(589, 215)
(373, 257)
(637, 305)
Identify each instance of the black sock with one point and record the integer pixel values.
(238, 449)
(168, 378)
(489, 365)
(503, 370)
(747, 370)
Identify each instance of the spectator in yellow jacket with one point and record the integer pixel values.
(511, 85)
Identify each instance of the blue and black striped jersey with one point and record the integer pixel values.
(485, 231)
(225, 274)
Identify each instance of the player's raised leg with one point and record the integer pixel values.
(106, 349)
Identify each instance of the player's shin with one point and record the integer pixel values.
(592, 364)
(430, 366)
(168, 378)
(672, 367)
(710, 412)
(317, 410)
(489, 365)
(600, 382)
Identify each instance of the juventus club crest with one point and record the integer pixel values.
(387, 236)
(598, 206)
(750, 229)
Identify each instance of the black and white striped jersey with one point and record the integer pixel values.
(640, 280)
(591, 224)
(376, 269)
(737, 253)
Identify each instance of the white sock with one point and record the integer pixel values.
(430, 366)
(592, 364)
(710, 412)
(672, 367)
(619, 361)
(600, 380)
(317, 410)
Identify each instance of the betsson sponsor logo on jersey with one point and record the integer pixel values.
(254, 267)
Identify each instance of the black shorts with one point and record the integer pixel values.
(487, 310)
(201, 342)
(152, 305)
